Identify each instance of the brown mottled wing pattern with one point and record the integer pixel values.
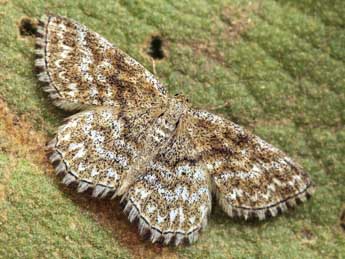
(172, 199)
(97, 148)
(250, 177)
(81, 68)
(164, 158)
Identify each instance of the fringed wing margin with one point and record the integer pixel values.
(91, 150)
(250, 178)
(171, 200)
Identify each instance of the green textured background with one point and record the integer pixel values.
(275, 67)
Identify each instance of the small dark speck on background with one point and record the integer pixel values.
(156, 48)
(27, 27)
(307, 234)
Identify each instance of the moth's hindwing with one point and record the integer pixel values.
(172, 203)
(250, 177)
(94, 149)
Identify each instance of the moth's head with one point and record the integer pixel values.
(179, 104)
(181, 98)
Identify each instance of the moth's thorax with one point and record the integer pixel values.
(165, 125)
(157, 136)
(177, 106)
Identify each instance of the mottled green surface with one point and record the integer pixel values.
(276, 67)
(40, 222)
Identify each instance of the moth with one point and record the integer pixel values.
(128, 138)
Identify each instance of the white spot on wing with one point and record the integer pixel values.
(150, 209)
(160, 219)
(172, 215)
(74, 146)
(181, 215)
(192, 220)
(112, 174)
(94, 172)
(143, 194)
(235, 192)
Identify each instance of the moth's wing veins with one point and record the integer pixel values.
(250, 177)
(80, 68)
